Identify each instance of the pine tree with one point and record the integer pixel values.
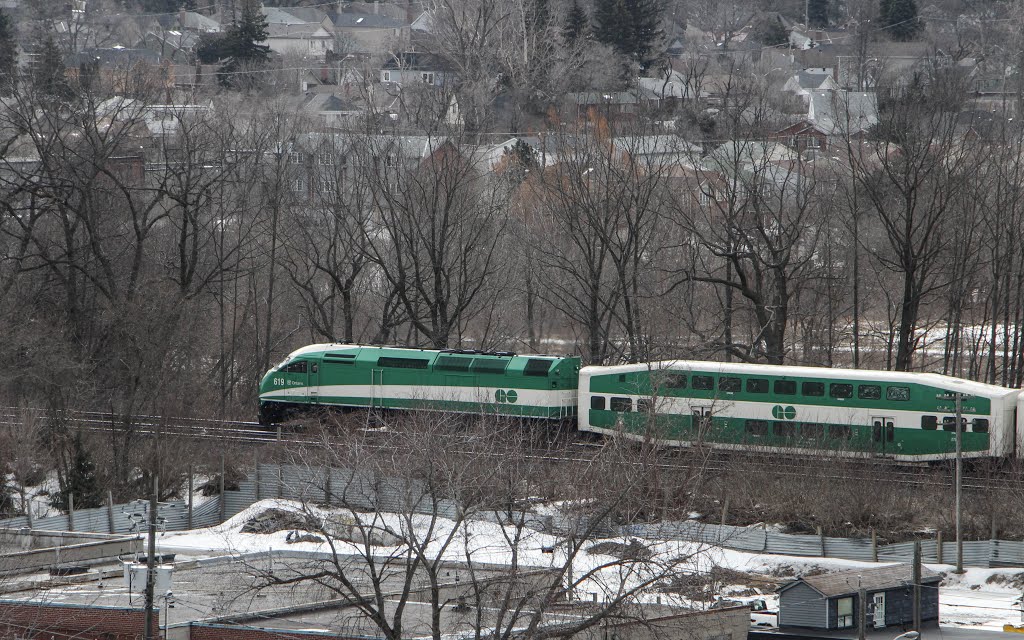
(241, 42)
(899, 17)
(577, 24)
(817, 13)
(80, 480)
(49, 73)
(632, 27)
(8, 55)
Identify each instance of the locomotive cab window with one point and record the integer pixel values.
(812, 388)
(785, 387)
(299, 366)
(622, 405)
(597, 403)
(703, 383)
(840, 390)
(869, 392)
(729, 384)
(757, 385)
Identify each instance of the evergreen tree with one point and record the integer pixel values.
(8, 55)
(577, 24)
(49, 73)
(241, 44)
(899, 17)
(817, 13)
(632, 27)
(79, 481)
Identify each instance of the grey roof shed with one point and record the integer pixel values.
(830, 601)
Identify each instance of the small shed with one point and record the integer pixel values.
(830, 601)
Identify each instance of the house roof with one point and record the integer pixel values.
(189, 20)
(812, 79)
(304, 30)
(843, 111)
(114, 57)
(871, 579)
(330, 103)
(367, 21)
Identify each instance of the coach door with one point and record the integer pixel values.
(883, 433)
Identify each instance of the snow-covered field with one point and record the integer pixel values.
(980, 598)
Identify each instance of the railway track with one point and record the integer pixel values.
(574, 452)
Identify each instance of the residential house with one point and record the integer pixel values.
(300, 31)
(333, 110)
(372, 32)
(840, 113)
(803, 82)
(189, 21)
(417, 67)
(831, 601)
(611, 105)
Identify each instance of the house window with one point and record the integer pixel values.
(707, 197)
(427, 77)
(295, 157)
(845, 620)
(299, 185)
(385, 76)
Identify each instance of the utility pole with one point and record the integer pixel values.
(151, 559)
(917, 586)
(959, 481)
(862, 612)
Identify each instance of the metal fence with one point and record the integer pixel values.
(363, 491)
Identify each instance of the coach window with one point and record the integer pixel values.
(869, 392)
(622, 405)
(703, 383)
(979, 425)
(812, 388)
(840, 390)
(674, 381)
(812, 430)
(644, 405)
(930, 423)
(756, 427)
(949, 423)
(597, 402)
(757, 385)
(784, 429)
(785, 387)
(729, 384)
(840, 431)
(897, 393)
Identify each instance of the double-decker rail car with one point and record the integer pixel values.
(903, 416)
(461, 381)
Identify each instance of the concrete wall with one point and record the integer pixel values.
(80, 553)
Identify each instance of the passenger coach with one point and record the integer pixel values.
(905, 416)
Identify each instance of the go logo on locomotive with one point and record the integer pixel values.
(502, 396)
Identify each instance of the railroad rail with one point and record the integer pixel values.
(574, 452)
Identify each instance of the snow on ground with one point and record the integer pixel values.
(980, 598)
(37, 497)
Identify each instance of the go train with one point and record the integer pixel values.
(896, 415)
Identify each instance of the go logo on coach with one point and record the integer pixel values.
(504, 397)
(780, 412)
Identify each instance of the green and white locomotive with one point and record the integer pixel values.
(459, 381)
(805, 410)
